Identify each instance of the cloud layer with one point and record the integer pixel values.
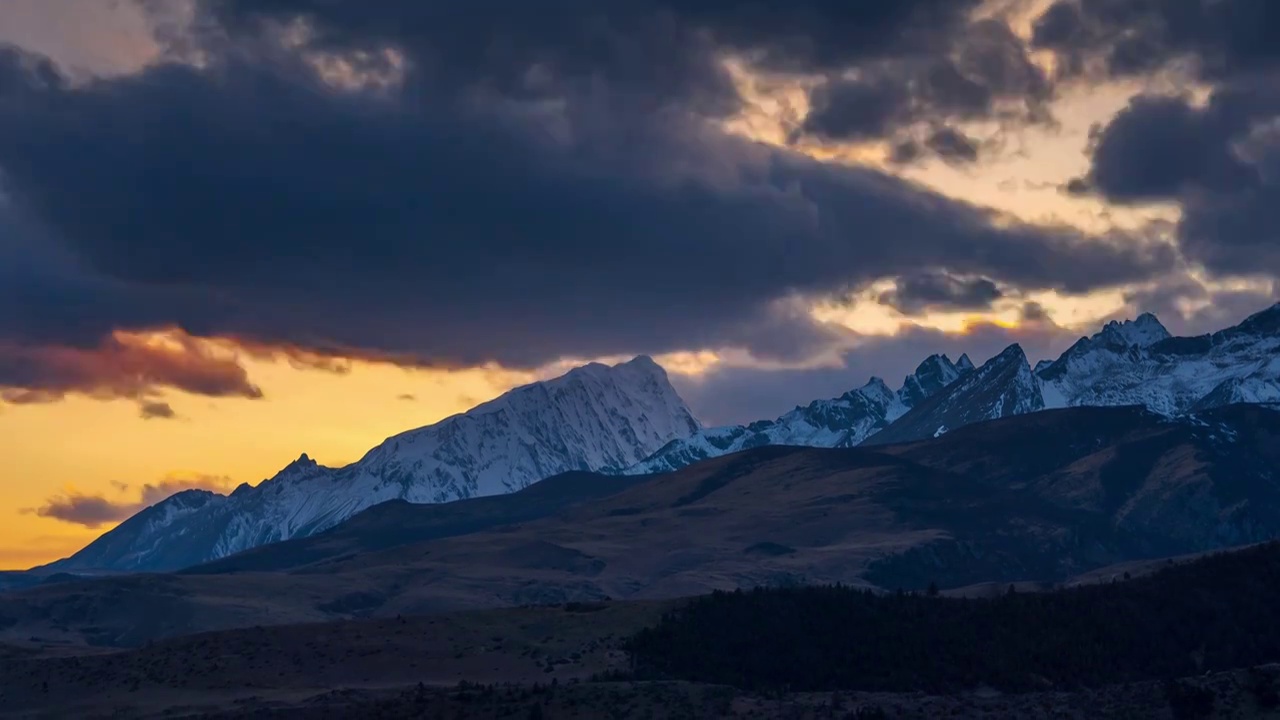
(445, 186)
(1218, 160)
(921, 292)
(978, 71)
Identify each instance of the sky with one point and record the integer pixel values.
(233, 231)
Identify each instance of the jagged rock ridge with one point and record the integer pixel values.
(1131, 362)
(1002, 387)
(838, 422)
(1139, 363)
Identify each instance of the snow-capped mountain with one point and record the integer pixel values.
(1138, 363)
(628, 418)
(839, 422)
(594, 417)
(1002, 387)
(1134, 362)
(157, 536)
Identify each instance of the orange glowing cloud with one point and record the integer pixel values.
(971, 325)
(125, 365)
(141, 366)
(329, 358)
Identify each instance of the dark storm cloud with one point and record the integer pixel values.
(904, 152)
(982, 72)
(920, 58)
(57, 319)
(50, 295)
(1159, 147)
(953, 145)
(541, 184)
(859, 109)
(785, 333)
(919, 293)
(155, 410)
(1219, 160)
(1034, 312)
(1224, 38)
(501, 38)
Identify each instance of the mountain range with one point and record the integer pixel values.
(1134, 362)
(627, 419)
(1139, 363)
(1040, 497)
(845, 421)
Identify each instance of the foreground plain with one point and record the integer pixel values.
(1102, 649)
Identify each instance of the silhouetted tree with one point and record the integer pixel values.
(1188, 702)
(1263, 688)
(1211, 614)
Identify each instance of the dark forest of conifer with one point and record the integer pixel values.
(1215, 613)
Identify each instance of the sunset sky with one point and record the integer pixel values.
(233, 231)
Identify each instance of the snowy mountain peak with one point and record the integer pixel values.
(304, 464)
(643, 361)
(188, 499)
(297, 471)
(933, 374)
(936, 365)
(1143, 331)
(153, 536)
(1265, 322)
(595, 418)
(1139, 363)
(639, 366)
(1011, 354)
(1002, 386)
(964, 364)
(876, 387)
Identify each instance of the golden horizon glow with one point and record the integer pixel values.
(84, 445)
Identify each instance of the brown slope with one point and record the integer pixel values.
(397, 523)
(235, 670)
(773, 515)
(765, 516)
(1038, 497)
(1087, 487)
